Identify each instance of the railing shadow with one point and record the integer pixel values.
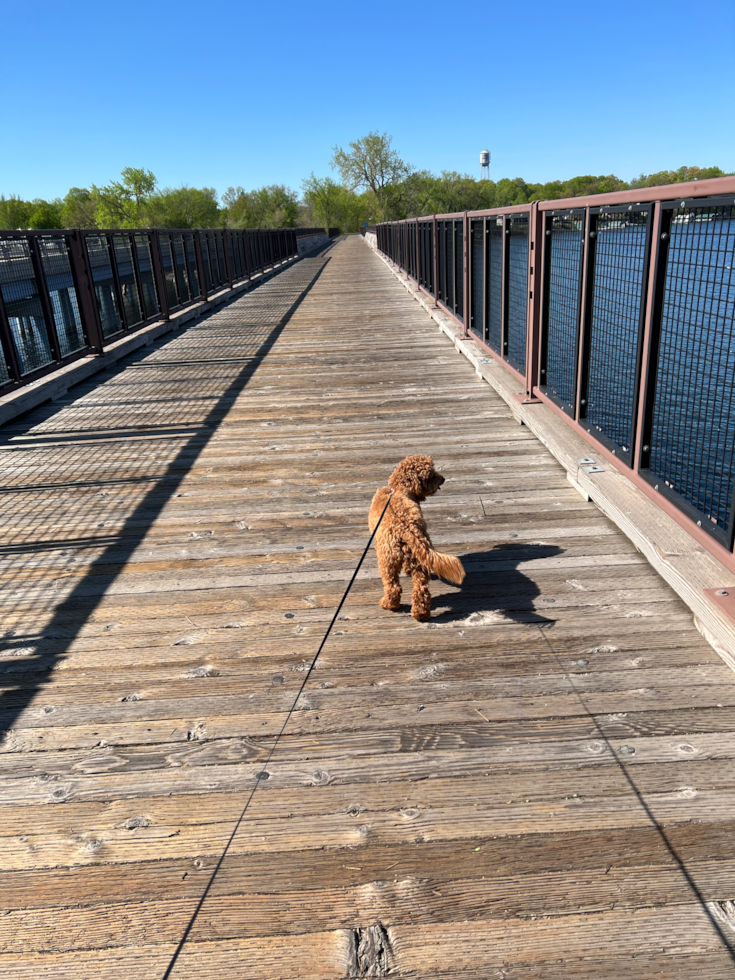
(27, 659)
(495, 588)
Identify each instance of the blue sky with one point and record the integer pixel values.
(221, 93)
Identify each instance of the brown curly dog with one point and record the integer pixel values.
(402, 541)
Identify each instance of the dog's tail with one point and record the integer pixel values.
(449, 567)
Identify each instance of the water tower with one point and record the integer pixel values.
(485, 165)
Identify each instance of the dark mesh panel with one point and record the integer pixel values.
(459, 268)
(62, 294)
(22, 303)
(104, 285)
(191, 264)
(422, 254)
(234, 258)
(428, 256)
(449, 245)
(563, 304)
(442, 258)
(214, 261)
(147, 280)
(693, 434)
(126, 278)
(172, 293)
(518, 290)
(494, 334)
(241, 252)
(478, 276)
(617, 301)
(204, 246)
(180, 259)
(220, 245)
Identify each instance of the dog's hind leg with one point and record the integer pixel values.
(420, 598)
(390, 568)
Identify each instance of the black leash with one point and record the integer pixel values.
(264, 774)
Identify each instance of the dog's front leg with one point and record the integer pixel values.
(420, 598)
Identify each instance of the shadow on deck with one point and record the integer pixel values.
(227, 370)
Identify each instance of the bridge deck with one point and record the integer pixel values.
(537, 784)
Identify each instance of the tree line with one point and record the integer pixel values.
(374, 184)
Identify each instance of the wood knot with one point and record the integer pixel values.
(136, 822)
(204, 671)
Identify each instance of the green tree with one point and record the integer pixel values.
(79, 208)
(47, 214)
(122, 203)
(576, 187)
(15, 213)
(326, 199)
(356, 209)
(371, 165)
(183, 207)
(681, 175)
(274, 206)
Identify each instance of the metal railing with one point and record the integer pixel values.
(616, 310)
(66, 294)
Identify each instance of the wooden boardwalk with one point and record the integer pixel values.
(537, 784)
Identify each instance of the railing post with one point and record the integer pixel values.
(203, 284)
(533, 323)
(504, 276)
(466, 306)
(485, 277)
(660, 227)
(158, 276)
(84, 282)
(435, 259)
(418, 254)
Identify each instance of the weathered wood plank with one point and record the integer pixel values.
(512, 789)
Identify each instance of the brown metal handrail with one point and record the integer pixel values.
(616, 310)
(67, 293)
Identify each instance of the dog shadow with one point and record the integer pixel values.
(494, 589)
